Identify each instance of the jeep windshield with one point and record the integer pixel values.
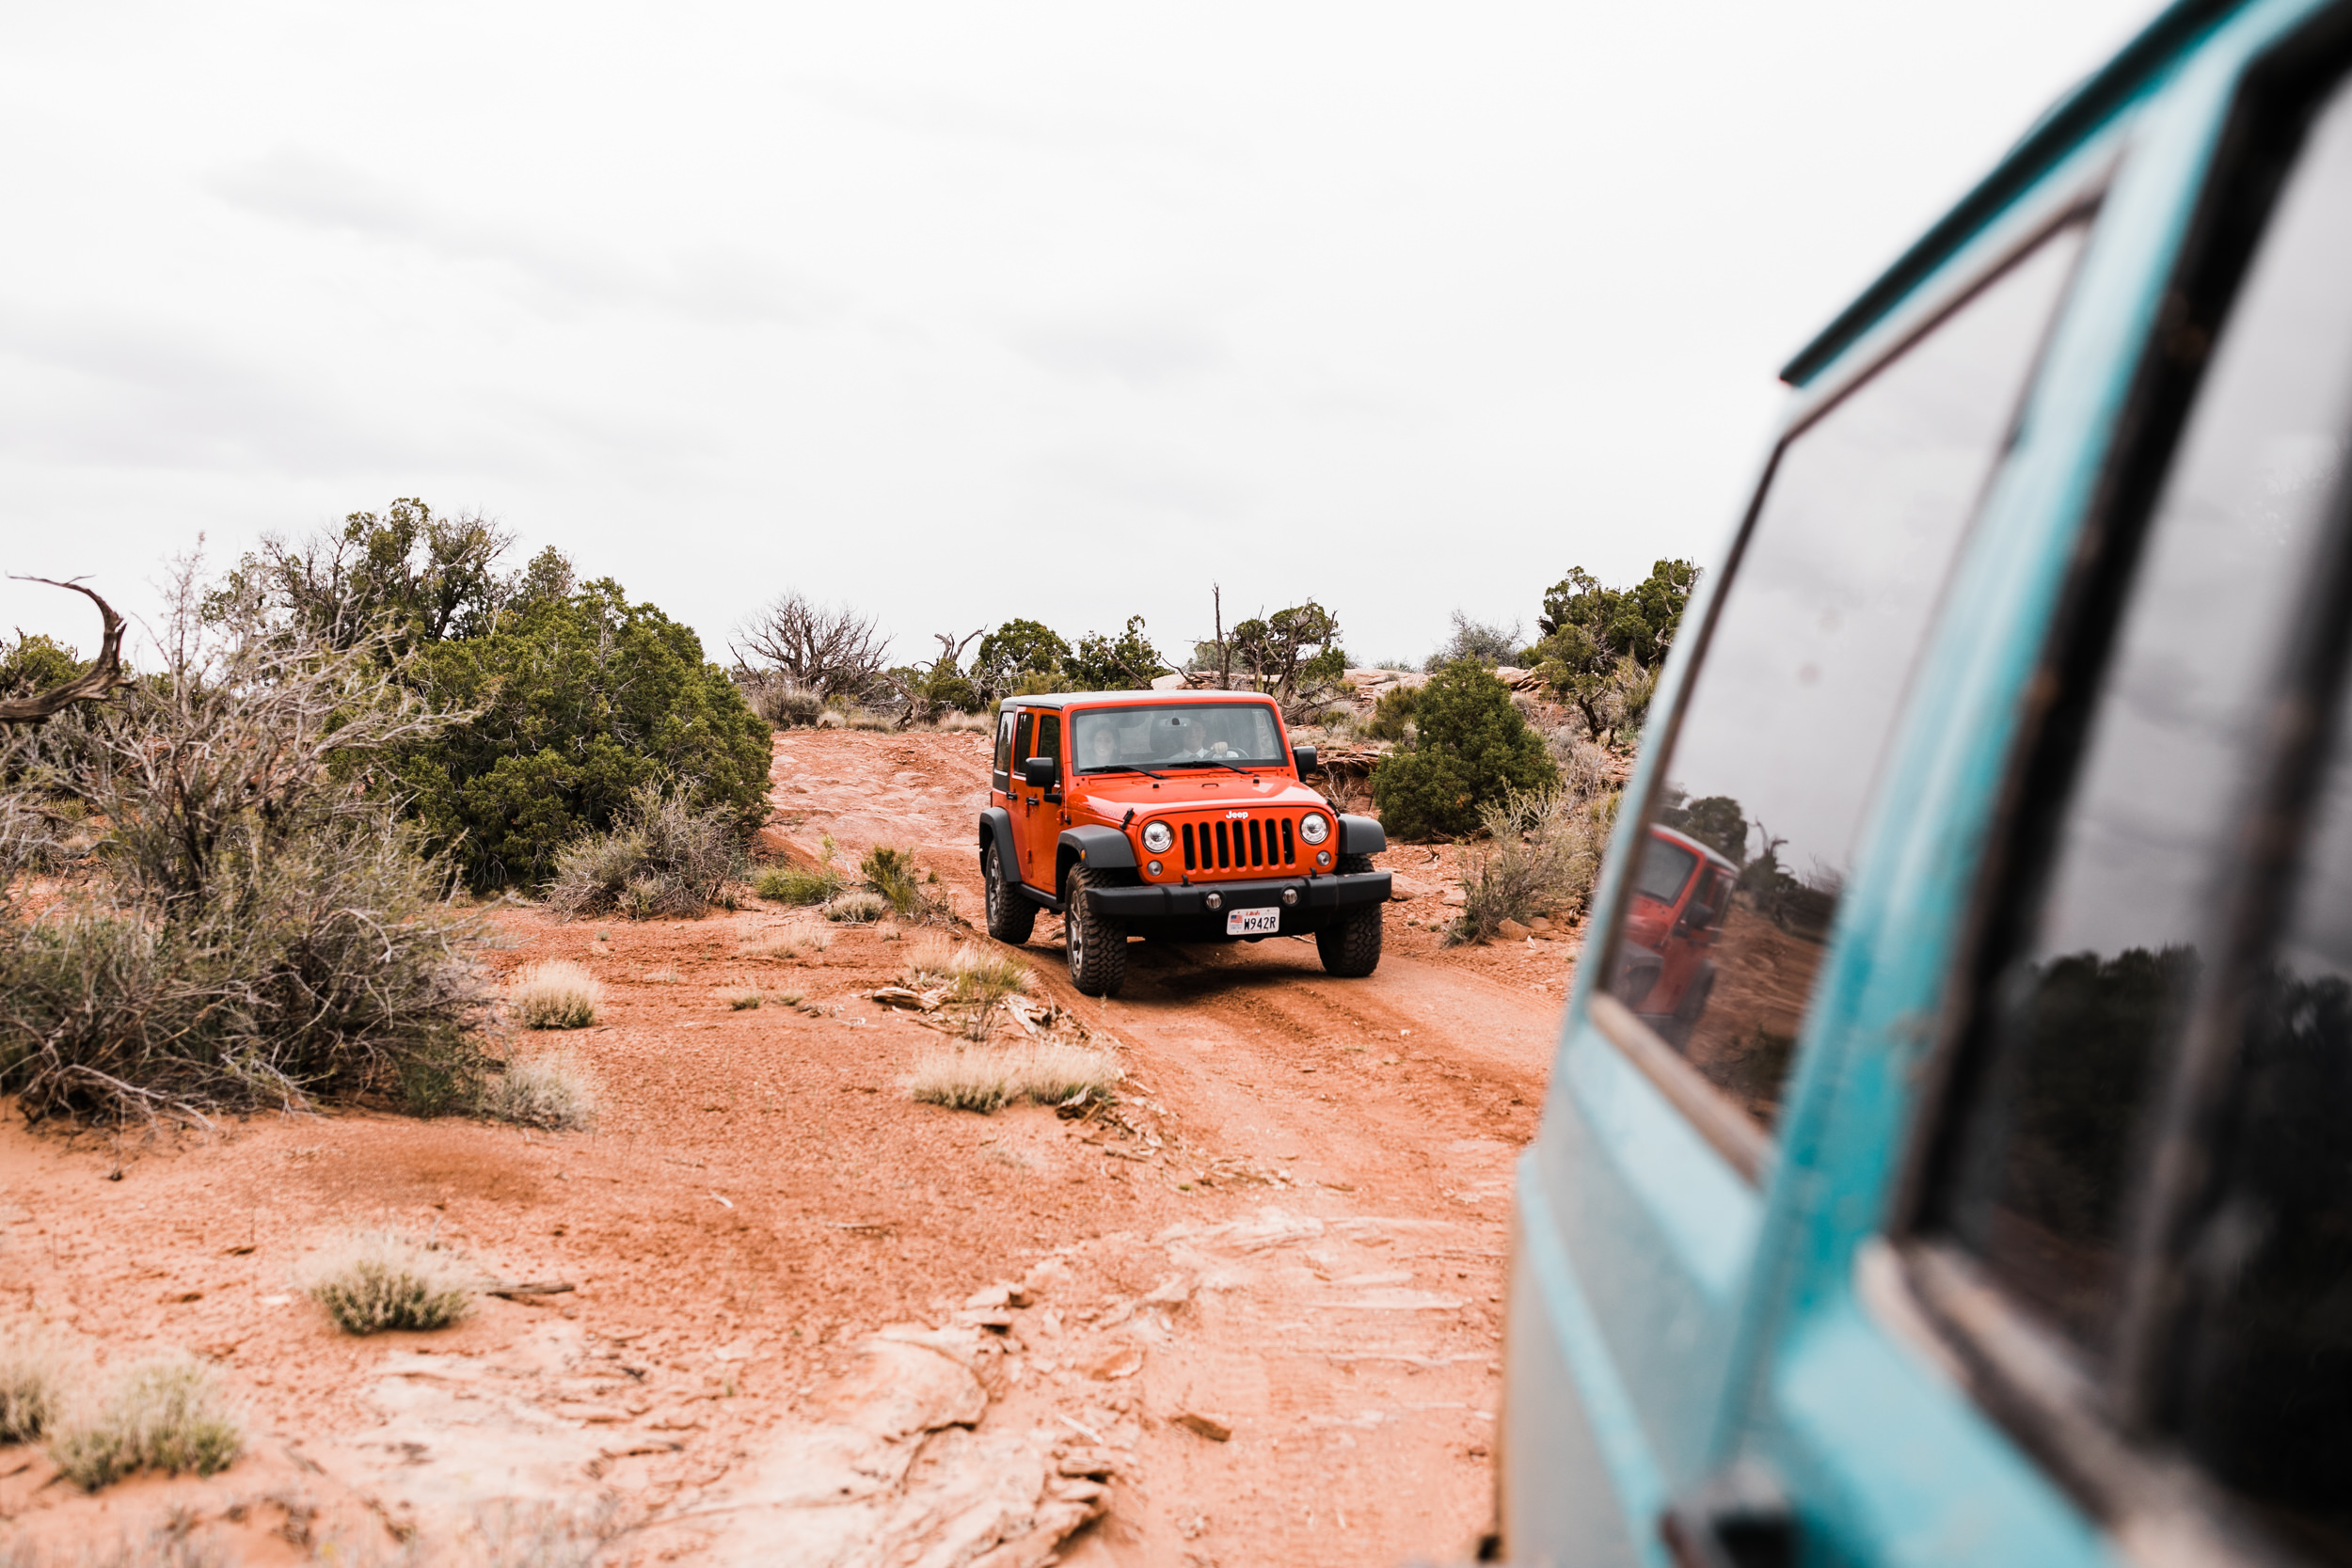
(1162, 737)
(1665, 866)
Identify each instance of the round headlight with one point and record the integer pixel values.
(1158, 836)
(1314, 828)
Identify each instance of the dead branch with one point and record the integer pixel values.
(103, 676)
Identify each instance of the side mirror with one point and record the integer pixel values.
(1040, 772)
(1303, 758)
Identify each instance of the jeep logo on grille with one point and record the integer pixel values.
(1231, 815)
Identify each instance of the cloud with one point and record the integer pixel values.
(1139, 348)
(717, 285)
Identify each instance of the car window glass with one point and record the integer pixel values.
(1173, 737)
(1003, 769)
(1830, 598)
(1049, 736)
(1023, 737)
(2266, 1374)
(2112, 942)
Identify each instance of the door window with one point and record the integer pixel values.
(1002, 770)
(2118, 890)
(1022, 750)
(1049, 741)
(1830, 597)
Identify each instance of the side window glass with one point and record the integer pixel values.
(1022, 747)
(2114, 890)
(1048, 735)
(1813, 639)
(1003, 769)
(2265, 1363)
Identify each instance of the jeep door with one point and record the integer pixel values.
(1037, 820)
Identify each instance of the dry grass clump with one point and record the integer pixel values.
(803, 937)
(798, 884)
(859, 905)
(663, 857)
(926, 957)
(165, 1416)
(33, 1375)
(745, 999)
(557, 995)
(972, 973)
(1544, 850)
(383, 1280)
(987, 1078)
(555, 1094)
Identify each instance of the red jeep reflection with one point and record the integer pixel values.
(1680, 893)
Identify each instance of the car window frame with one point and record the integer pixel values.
(1745, 1144)
(2094, 1435)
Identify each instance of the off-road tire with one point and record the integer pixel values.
(1350, 945)
(1011, 914)
(1097, 943)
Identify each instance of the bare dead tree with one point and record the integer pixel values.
(829, 650)
(102, 677)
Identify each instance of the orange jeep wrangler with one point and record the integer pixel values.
(1177, 815)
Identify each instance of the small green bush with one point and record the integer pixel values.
(387, 1281)
(1471, 746)
(164, 1416)
(798, 884)
(1392, 713)
(894, 874)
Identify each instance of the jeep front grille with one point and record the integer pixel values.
(1229, 844)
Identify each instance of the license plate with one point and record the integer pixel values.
(1252, 922)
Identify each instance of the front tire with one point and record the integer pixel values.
(1098, 944)
(1350, 945)
(1011, 914)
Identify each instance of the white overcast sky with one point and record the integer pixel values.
(961, 311)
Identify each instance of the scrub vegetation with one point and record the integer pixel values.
(166, 1414)
(379, 1281)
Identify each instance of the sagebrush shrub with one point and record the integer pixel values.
(556, 994)
(382, 1281)
(663, 857)
(254, 936)
(164, 1416)
(1542, 853)
(1470, 746)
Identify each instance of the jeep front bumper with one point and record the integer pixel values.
(1347, 890)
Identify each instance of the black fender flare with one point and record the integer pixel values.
(1361, 835)
(1100, 849)
(996, 823)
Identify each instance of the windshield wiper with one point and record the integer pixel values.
(1226, 766)
(1123, 768)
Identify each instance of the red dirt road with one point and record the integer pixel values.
(1297, 1237)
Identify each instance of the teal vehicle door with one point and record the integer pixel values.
(1995, 1206)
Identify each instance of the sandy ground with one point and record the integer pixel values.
(1252, 1316)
